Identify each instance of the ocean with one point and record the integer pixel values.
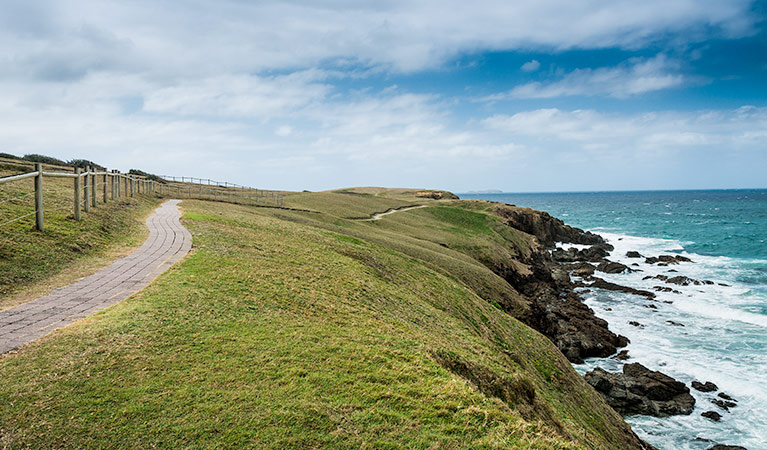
(719, 331)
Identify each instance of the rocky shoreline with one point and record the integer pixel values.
(557, 311)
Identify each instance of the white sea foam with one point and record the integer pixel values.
(723, 340)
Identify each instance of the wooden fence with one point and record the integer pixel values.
(86, 184)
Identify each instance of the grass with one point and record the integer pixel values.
(33, 262)
(287, 329)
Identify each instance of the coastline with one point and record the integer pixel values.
(686, 294)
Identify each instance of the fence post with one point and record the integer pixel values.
(132, 187)
(39, 198)
(78, 216)
(86, 189)
(94, 203)
(106, 182)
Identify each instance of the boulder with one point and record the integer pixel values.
(623, 355)
(727, 447)
(713, 415)
(639, 390)
(686, 281)
(656, 277)
(595, 253)
(726, 397)
(633, 254)
(602, 284)
(704, 387)
(724, 404)
(581, 269)
(613, 267)
(664, 260)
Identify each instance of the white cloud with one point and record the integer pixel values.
(232, 89)
(531, 66)
(633, 134)
(283, 131)
(191, 38)
(238, 95)
(638, 76)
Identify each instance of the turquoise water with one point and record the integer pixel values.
(724, 338)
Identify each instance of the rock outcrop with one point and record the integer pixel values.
(639, 390)
(554, 308)
(603, 284)
(713, 415)
(613, 267)
(666, 259)
(686, 281)
(549, 230)
(592, 254)
(704, 387)
(727, 447)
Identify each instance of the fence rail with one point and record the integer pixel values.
(112, 183)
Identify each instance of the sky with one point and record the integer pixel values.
(518, 96)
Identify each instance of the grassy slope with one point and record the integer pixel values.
(280, 331)
(28, 257)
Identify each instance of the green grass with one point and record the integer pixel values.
(29, 257)
(287, 329)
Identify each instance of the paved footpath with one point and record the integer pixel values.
(168, 242)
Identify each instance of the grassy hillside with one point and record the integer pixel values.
(295, 329)
(32, 262)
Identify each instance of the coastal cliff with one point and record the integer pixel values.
(328, 324)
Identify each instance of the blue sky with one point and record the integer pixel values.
(544, 95)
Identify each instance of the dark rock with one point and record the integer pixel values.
(656, 277)
(581, 269)
(651, 306)
(547, 229)
(613, 267)
(634, 323)
(572, 254)
(623, 355)
(726, 397)
(727, 447)
(704, 387)
(724, 404)
(553, 308)
(639, 390)
(664, 260)
(713, 415)
(602, 284)
(633, 254)
(676, 324)
(686, 281)
(723, 284)
(666, 289)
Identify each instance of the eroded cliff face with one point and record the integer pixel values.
(554, 309)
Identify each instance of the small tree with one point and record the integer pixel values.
(83, 163)
(148, 176)
(33, 157)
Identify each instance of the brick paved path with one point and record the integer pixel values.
(168, 242)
